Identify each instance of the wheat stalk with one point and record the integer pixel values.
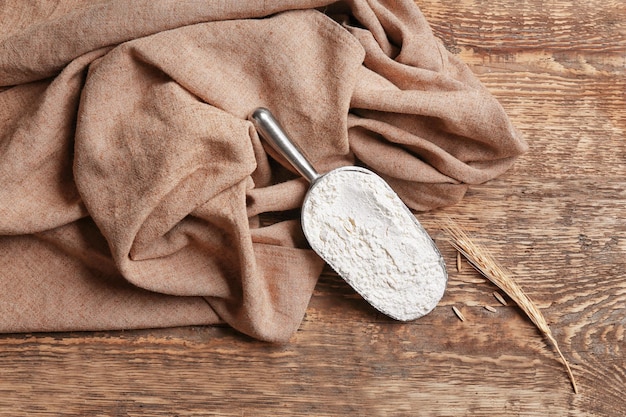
(484, 263)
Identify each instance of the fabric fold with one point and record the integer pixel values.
(135, 193)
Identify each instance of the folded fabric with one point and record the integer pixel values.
(134, 193)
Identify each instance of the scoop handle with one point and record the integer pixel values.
(269, 128)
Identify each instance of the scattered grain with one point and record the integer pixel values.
(499, 297)
(489, 308)
(458, 313)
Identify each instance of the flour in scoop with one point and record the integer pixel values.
(362, 229)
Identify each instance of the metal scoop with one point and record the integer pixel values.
(354, 220)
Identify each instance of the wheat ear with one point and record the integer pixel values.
(484, 263)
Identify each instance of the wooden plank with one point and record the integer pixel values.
(555, 220)
(502, 26)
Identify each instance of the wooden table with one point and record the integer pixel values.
(557, 220)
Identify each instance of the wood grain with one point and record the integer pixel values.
(556, 220)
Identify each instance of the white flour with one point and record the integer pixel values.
(357, 223)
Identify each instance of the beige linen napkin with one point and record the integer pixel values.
(133, 191)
